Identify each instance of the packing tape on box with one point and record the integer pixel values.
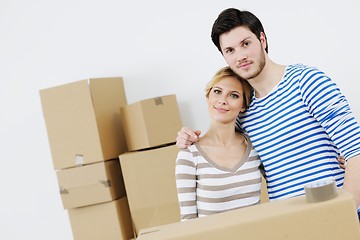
(63, 191)
(320, 191)
(158, 101)
(79, 160)
(106, 183)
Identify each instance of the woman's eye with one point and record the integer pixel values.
(217, 91)
(235, 96)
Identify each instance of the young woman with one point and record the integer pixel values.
(220, 172)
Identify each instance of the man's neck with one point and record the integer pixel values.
(269, 77)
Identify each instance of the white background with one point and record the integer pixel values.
(159, 47)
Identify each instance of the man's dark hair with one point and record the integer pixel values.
(231, 18)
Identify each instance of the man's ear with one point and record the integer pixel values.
(263, 40)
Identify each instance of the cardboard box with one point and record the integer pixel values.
(91, 184)
(264, 196)
(110, 221)
(151, 122)
(83, 121)
(294, 219)
(149, 178)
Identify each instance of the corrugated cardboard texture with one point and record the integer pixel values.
(149, 178)
(110, 221)
(83, 121)
(91, 184)
(294, 219)
(151, 122)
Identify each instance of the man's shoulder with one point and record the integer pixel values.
(301, 72)
(297, 67)
(300, 67)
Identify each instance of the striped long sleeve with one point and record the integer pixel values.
(299, 129)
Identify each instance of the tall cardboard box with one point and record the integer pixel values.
(110, 221)
(294, 219)
(151, 122)
(83, 121)
(149, 178)
(91, 184)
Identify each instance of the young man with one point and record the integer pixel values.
(298, 121)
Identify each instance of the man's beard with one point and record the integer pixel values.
(258, 70)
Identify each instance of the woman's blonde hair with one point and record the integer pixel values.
(227, 72)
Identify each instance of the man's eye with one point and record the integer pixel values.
(228, 51)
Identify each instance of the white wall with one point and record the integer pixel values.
(160, 47)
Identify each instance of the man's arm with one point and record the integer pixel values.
(331, 109)
(187, 137)
(352, 178)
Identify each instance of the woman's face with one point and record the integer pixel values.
(225, 100)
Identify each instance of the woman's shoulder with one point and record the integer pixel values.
(191, 150)
(244, 136)
(253, 152)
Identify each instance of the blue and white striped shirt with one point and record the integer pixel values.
(299, 129)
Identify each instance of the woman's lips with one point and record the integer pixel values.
(221, 109)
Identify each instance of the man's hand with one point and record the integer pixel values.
(342, 162)
(186, 137)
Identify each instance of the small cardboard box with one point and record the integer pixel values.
(91, 184)
(151, 122)
(110, 221)
(149, 178)
(83, 121)
(294, 219)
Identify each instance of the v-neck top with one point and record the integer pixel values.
(205, 188)
(244, 158)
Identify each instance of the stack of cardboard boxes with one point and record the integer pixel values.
(86, 137)
(91, 130)
(148, 167)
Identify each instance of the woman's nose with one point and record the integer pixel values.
(222, 102)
